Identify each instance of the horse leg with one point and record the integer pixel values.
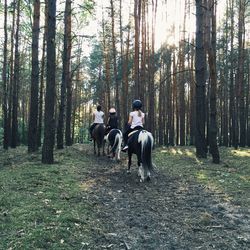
(103, 147)
(129, 162)
(140, 168)
(94, 148)
(118, 151)
(108, 149)
(99, 149)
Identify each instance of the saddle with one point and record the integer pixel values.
(131, 133)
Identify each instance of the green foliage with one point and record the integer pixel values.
(85, 9)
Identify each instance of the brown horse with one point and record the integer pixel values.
(98, 137)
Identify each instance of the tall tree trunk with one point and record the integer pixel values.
(65, 73)
(125, 79)
(117, 96)
(151, 90)
(33, 115)
(240, 73)
(212, 66)
(107, 69)
(142, 87)
(14, 127)
(182, 83)
(200, 67)
(192, 99)
(161, 101)
(11, 73)
(232, 103)
(68, 139)
(121, 118)
(248, 100)
(137, 17)
(41, 93)
(49, 119)
(225, 77)
(4, 78)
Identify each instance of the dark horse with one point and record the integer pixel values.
(98, 137)
(114, 138)
(140, 142)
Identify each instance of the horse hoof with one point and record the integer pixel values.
(128, 172)
(148, 178)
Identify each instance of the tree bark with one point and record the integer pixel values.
(14, 127)
(4, 78)
(33, 115)
(137, 17)
(240, 74)
(200, 67)
(49, 119)
(213, 89)
(68, 139)
(117, 96)
(65, 73)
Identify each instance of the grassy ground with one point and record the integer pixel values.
(41, 206)
(231, 177)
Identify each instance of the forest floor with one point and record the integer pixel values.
(88, 202)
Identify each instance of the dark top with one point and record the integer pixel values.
(113, 121)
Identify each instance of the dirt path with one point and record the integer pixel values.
(168, 212)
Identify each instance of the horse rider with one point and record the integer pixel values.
(112, 120)
(98, 117)
(135, 121)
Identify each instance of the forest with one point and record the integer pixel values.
(195, 79)
(187, 61)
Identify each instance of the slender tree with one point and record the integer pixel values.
(14, 125)
(49, 119)
(137, 17)
(33, 115)
(200, 76)
(117, 96)
(211, 48)
(240, 74)
(4, 77)
(65, 73)
(68, 138)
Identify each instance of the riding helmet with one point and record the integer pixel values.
(137, 104)
(112, 111)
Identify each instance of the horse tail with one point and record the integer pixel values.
(117, 143)
(147, 142)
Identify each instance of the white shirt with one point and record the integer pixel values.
(98, 117)
(136, 120)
